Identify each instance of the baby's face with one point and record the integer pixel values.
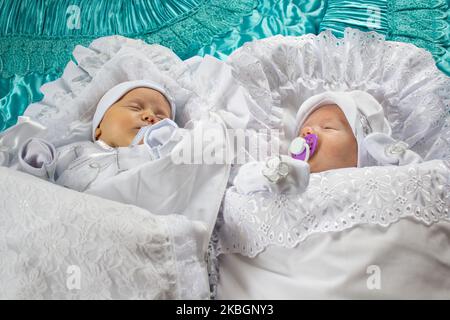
(138, 108)
(337, 147)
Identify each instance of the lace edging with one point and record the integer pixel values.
(251, 223)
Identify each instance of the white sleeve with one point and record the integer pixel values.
(38, 157)
(257, 176)
(388, 151)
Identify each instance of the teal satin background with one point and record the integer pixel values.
(269, 18)
(425, 23)
(289, 18)
(17, 93)
(366, 15)
(38, 36)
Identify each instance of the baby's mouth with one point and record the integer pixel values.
(139, 127)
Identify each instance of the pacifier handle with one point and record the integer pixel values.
(303, 148)
(299, 149)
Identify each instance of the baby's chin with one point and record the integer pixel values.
(120, 144)
(315, 169)
(321, 167)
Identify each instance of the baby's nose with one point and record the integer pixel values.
(151, 119)
(305, 131)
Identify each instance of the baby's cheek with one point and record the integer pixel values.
(125, 120)
(334, 149)
(124, 124)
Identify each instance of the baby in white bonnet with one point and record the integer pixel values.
(342, 130)
(130, 108)
(133, 123)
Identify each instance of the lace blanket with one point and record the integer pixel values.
(334, 201)
(59, 244)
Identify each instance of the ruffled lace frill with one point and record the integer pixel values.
(282, 72)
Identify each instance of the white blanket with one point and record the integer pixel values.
(56, 243)
(323, 243)
(186, 196)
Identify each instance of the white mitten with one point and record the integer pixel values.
(387, 151)
(38, 157)
(277, 175)
(158, 136)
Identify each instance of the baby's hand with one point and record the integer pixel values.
(277, 175)
(38, 157)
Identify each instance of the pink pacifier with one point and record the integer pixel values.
(303, 148)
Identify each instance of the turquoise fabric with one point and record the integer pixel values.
(289, 18)
(266, 19)
(424, 23)
(17, 93)
(366, 15)
(38, 36)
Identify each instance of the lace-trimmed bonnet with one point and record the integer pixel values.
(366, 118)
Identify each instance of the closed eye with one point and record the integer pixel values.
(135, 108)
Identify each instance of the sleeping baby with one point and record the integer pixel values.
(133, 123)
(335, 130)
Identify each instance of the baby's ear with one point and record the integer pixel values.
(98, 132)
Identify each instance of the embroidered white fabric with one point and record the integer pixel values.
(50, 235)
(334, 201)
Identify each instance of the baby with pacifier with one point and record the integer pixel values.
(335, 130)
